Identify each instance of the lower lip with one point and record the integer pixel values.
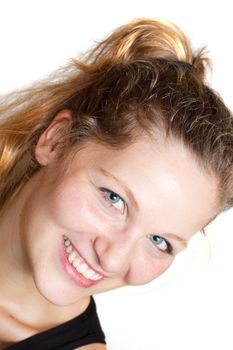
(73, 274)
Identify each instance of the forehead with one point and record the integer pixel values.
(164, 178)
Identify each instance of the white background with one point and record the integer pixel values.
(190, 306)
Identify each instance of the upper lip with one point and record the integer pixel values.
(89, 265)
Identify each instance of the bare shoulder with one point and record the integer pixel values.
(94, 346)
(11, 330)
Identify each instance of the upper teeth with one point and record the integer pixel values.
(78, 263)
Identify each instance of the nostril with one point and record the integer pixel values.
(92, 240)
(114, 254)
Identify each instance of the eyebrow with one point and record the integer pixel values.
(182, 241)
(130, 195)
(123, 185)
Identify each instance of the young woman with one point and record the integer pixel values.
(107, 170)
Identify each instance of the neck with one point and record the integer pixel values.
(20, 301)
(14, 268)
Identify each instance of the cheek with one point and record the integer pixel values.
(73, 210)
(65, 205)
(147, 270)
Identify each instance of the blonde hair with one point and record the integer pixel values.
(144, 76)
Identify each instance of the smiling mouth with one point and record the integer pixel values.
(78, 263)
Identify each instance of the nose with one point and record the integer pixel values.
(115, 254)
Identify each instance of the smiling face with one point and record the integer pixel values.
(114, 217)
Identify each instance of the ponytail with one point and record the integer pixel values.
(143, 76)
(144, 39)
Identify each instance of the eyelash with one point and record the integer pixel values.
(168, 250)
(106, 191)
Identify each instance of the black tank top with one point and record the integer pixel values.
(81, 330)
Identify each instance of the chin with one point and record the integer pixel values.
(55, 290)
(58, 295)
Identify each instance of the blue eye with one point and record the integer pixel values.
(161, 243)
(114, 199)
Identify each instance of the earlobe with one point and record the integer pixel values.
(50, 143)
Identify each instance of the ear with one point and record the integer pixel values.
(49, 144)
